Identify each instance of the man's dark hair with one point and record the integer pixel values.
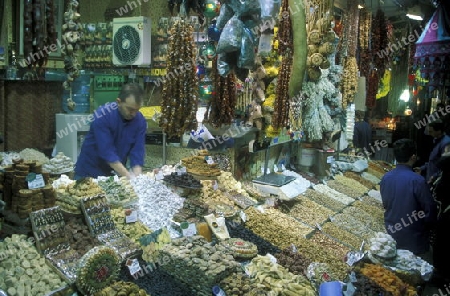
(437, 125)
(132, 89)
(404, 149)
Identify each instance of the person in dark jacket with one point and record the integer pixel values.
(436, 129)
(441, 246)
(410, 210)
(362, 134)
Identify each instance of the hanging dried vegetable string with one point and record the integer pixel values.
(349, 81)
(281, 108)
(365, 21)
(224, 101)
(379, 40)
(180, 92)
(285, 47)
(352, 6)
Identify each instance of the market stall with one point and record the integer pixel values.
(251, 184)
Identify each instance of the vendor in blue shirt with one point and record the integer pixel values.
(410, 210)
(116, 135)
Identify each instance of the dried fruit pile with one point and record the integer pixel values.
(271, 276)
(295, 262)
(387, 280)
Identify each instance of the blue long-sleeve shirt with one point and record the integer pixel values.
(430, 167)
(409, 208)
(110, 139)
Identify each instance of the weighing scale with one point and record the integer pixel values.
(273, 179)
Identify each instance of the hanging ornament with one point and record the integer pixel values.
(213, 32)
(208, 51)
(206, 89)
(210, 8)
(201, 70)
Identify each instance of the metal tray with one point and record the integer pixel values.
(274, 179)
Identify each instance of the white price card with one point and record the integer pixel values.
(215, 185)
(209, 160)
(272, 258)
(159, 176)
(243, 216)
(133, 266)
(131, 216)
(35, 181)
(270, 202)
(191, 229)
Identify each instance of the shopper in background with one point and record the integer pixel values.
(441, 255)
(436, 129)
(410, 210)
(116, 135)
(362, 134)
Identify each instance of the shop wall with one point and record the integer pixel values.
(94, 11)
(27, 114)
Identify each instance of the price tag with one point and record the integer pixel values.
(261, 209)
(272, 258)
(270, 202)
(130, 216)
(159, 176)
(189, 229)
(209, 160)
(215, 185)
(243, 216)
(35, 181)
(133, 266)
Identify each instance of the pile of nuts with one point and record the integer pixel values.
(283, 231)
(342, 235)
(338, 186)
(197, 165)
(364, 217)
(361, 180)
(324, 200)
(349, 182)
(356, 227)
(310, 212)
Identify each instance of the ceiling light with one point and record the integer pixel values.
(405, 96)
(415, 13)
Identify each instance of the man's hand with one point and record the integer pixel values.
(417, 170)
